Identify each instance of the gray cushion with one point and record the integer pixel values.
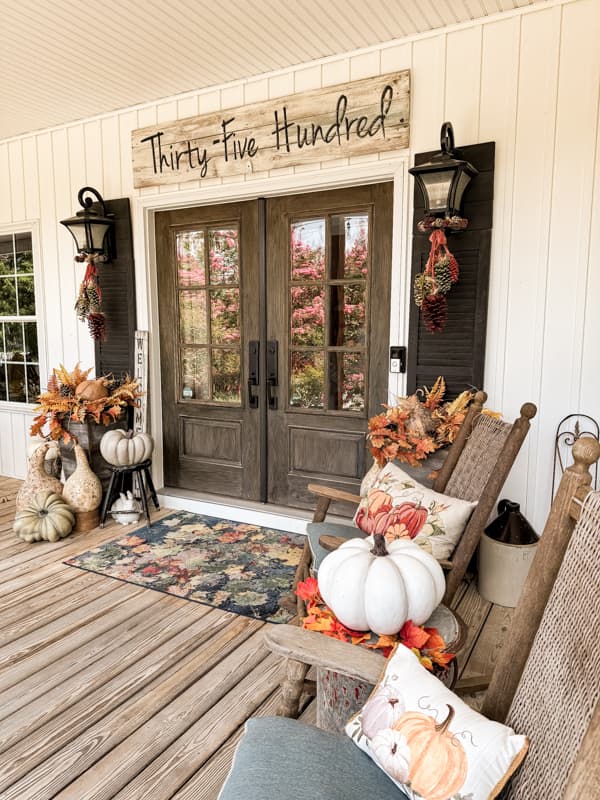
(282, 759)
(315, 530)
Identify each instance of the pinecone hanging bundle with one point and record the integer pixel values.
(435, 312)
(433, 284)
(97, 325)
(87, 305)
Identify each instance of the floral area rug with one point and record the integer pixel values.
(234, 566)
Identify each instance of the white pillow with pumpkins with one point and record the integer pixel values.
(428, 741)
(395, 504)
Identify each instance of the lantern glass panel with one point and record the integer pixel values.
(98, 231)
(79, 232)
(462, 182)
(437, 186)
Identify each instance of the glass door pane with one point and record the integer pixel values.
(209, 314)
(328, 277)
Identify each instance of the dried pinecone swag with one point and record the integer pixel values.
(87, 305)
(433, 284)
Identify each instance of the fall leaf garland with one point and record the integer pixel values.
(426, 643)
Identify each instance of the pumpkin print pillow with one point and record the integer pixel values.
(428, 741)
(396, 505)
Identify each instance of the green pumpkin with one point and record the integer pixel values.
(47, 518)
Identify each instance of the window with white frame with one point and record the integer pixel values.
(19, 359)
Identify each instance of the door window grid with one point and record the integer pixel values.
(329, 262)
(209, 314)
(19, 353)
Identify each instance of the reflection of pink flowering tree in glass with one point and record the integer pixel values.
(346, 317)
(308, 311)
(190, 258)
(221, 366)
(356, 255)
(353, 394)
(308, 262)
(354, 293)
(223, 257)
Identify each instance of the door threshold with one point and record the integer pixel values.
(268, 516)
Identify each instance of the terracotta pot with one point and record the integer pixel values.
(88, 436)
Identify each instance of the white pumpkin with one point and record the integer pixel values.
(392, 752)
(380, 592)
(125, 448)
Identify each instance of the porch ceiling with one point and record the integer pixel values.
(65, 60)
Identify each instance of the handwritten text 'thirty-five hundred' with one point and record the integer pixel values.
(286, 136)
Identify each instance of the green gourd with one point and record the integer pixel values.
(48, 518)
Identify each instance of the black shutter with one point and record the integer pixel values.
(458, 351)
(117, 282)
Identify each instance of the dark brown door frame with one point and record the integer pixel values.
(262, 310)
(263, 394)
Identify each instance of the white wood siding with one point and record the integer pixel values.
(529, 81)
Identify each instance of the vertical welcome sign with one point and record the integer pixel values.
(366, 116)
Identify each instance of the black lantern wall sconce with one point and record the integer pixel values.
(106, 297)
(444, 178)
(92, 230)
(442, 181)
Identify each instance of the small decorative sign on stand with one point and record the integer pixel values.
(361, 117)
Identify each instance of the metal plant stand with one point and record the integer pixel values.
(571, 428)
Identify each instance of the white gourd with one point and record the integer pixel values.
(37, 479)
(380, 592)
(125, 448)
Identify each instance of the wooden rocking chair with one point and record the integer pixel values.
(475, 469)
(546, 682)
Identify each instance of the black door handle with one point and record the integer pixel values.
(272, 372)
(253, 372)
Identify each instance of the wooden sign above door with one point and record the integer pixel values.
(366, 116)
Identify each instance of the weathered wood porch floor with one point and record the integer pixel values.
(109, 690)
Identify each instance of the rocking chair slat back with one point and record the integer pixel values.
(541, 578)
(455, 451)
(560, 685)
(479, 458)
(492, 448)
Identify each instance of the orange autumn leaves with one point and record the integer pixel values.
(392, 439)
(417, 425)
(59, 405)
(426, 643)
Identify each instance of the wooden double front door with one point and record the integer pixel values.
(274, 328)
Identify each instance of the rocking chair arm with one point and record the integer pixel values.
(312, 648)
(333, 494)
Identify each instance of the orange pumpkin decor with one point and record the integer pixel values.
(403, 521)
(91, 390)
(412, 515)
(438, 762)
